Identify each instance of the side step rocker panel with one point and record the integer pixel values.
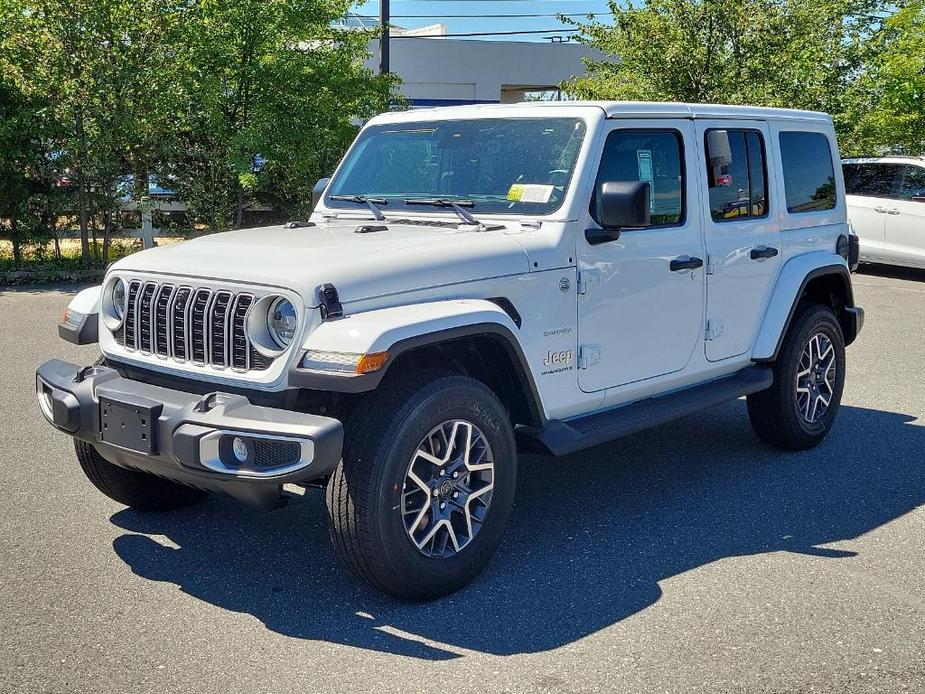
(561, 437)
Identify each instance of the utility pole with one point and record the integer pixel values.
(384, 37)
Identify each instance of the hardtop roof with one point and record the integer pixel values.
(627, 109)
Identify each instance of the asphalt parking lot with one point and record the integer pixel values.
(686, 559)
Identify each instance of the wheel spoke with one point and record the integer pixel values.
(419, 482)
(467, 442)
(429, 457)
(430, 534)
(417, 521)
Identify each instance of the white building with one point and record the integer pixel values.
(440, 71)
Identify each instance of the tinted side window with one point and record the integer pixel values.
(913, 185)
(656, 156)
(871, 180)
(736, 174)
(809, 176)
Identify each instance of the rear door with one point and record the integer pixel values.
(905, 218)
(869, 188)
(742, 235)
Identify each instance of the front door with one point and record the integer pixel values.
(742, 236)
(638, 317)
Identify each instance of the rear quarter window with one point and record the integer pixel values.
(809, 173)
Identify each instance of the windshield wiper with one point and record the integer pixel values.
(363, 200)
(456, 205)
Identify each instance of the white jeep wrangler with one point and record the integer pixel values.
(472, 280)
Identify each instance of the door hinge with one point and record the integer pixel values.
(714, 330)
(711, 265)
(330, 302)
(588, 356)
(589, 278)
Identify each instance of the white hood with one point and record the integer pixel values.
(361, 266)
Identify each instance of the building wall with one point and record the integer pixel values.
(445, 72)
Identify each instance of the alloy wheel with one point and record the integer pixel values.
(448, 488)
(815, 379)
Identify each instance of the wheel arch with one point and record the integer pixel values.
(822, 280)
(475, 337)
(487, 352)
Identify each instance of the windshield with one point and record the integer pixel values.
(499, 165)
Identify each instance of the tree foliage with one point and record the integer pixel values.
(271, 99)
(231, 103)
(886, 104)
(96, 64)
(812, 54)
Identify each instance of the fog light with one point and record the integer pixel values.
(239, 448)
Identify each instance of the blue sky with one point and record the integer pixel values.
(483, 7)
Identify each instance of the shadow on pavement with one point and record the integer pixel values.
(894, 271)
(591, 537)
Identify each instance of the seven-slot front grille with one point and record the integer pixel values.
(190, 324)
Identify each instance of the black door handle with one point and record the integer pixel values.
(761, 253)
(684, 263)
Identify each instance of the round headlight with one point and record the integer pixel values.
(282, 320)
(113, 302)
(118, 298)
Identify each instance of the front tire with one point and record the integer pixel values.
(421, 498)
(798, 411)
(139, 490)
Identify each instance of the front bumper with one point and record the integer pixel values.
(852, 322)
(189, 438)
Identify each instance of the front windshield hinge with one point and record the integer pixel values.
(330, 302)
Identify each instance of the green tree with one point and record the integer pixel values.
(791, 53)
(271, 97)
(104, 67)
(20, 147)
(886, 104)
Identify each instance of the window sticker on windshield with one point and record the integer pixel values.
(530, 192)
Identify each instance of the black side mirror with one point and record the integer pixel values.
(623, 205)
(318, 191)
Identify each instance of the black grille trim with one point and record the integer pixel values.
(195, 325)
(128, 325)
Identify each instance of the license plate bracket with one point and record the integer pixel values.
(130, 422)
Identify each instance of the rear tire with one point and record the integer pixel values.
(421, 498)
(798, 411)
(140, 490)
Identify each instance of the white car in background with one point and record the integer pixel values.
(886, 208)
